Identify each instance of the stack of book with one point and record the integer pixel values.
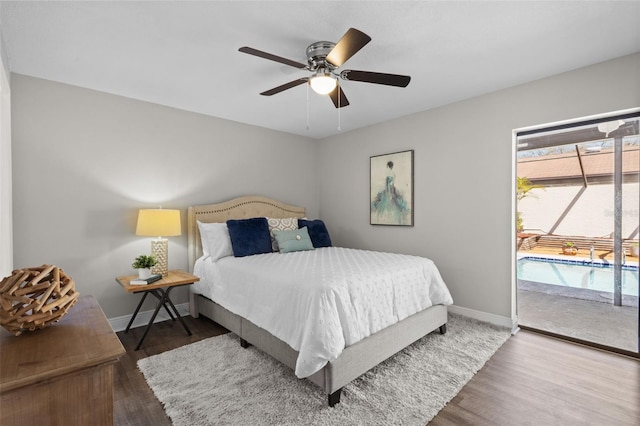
(145, 281)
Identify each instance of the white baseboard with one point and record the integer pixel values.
(485, 316)
(142, 319)
(120, 323)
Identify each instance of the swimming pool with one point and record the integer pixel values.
(582, 274)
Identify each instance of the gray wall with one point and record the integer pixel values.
(6, 228)
(84, 162)
(4, 60)
(464, 176)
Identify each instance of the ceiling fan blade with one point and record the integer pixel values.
(285, 86)
(265, 55)
(352, 41)
(341, 100)
(376, 77)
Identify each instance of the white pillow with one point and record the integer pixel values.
(286, 224)
(215, 240)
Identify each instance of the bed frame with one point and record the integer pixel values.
(355, 360)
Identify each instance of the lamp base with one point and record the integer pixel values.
(160, 250)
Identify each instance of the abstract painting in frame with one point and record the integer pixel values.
(391, 185)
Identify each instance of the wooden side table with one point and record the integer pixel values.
(161, 290)
(62, 374)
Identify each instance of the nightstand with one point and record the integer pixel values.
(161, 290)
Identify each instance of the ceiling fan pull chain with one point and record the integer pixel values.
(339, 122)
(308, 107)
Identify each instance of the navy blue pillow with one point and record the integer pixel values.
(249, 236)
(317, 231)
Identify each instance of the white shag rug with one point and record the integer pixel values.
(217, 382)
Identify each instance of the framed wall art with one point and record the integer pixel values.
(391, 185)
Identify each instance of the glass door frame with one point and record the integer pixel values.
(618, 135)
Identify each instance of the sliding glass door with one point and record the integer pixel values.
(578, 222)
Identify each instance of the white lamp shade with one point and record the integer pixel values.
(158, 223)
(323, 84)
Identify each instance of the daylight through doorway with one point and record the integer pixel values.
(578, 219)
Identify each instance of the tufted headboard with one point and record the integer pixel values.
(239, 208)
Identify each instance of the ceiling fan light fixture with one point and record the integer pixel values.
(324, 59)
(323, 84)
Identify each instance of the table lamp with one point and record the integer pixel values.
(159, 223)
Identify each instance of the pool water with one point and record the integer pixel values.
(578, 274)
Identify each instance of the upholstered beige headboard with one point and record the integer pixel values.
(238, 208)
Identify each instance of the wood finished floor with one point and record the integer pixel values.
(531, 380)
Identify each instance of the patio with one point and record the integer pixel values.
(592, 321)
(601, 253)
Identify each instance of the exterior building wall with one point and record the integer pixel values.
(578, 211)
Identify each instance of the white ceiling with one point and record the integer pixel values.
(185, 54)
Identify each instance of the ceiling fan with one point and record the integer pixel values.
(324, 58)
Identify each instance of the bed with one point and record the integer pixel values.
(354, 359)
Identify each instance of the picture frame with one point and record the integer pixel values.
(391, 189)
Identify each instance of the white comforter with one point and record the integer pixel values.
(321, 301)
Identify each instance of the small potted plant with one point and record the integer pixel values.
(569, 248)
(143, 264)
